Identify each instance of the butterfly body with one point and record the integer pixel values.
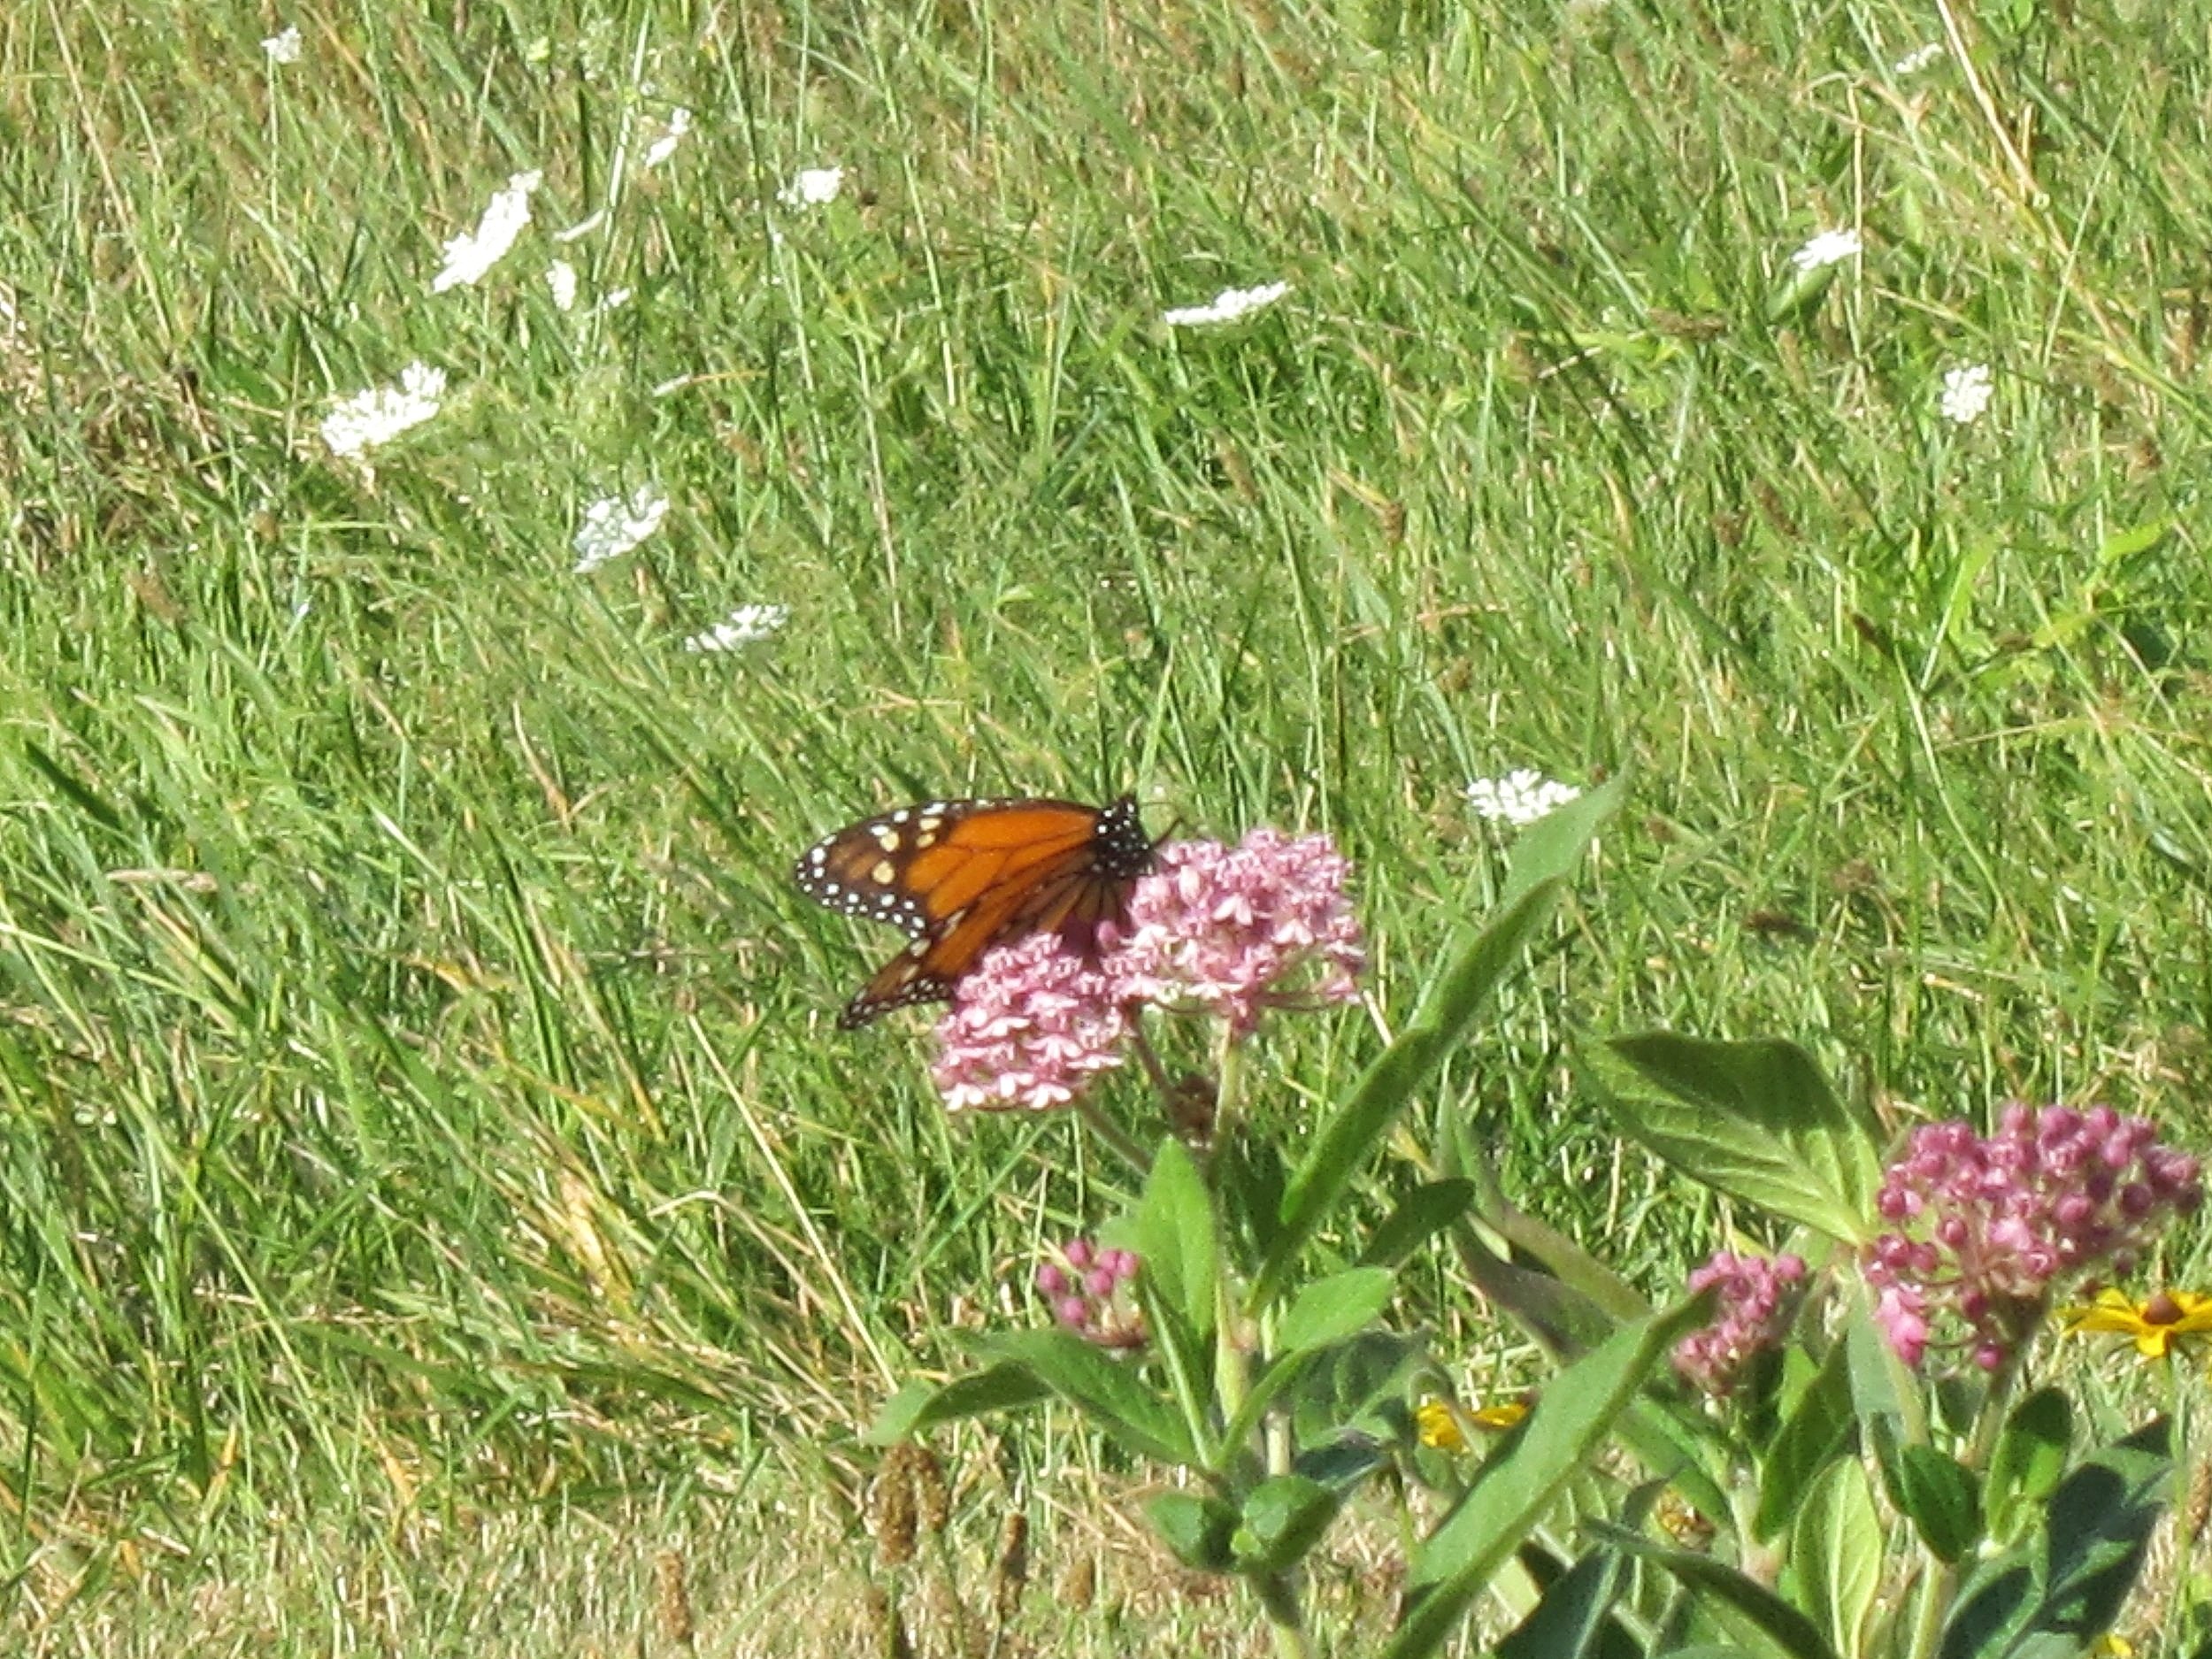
(963, 876)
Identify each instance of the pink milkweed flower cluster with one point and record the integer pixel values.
(1236, 930)
(1750, 1313)
(1031, 1026)
(1233, 931)
(1990, 1228)
(1090, 1293)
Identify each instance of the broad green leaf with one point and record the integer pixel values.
(1360, 1384)
(1754, 1119)
(1196, 1528)
(1110, 1393)
(1812, 1437)
(2067, 1584)
(1331, 1310)
(1344, 1462)
(1733, 1599)
(1574, 1619)
(2028, 1460)
(1283, 1517)
(1248, 1177)
(1333, 1389)
(1578, 1408)
(1837, 1547)
(1565, 1320)
(1171, 1229)
(2100, 1517)
(1937, 1494)
(919, 1405)
(1173, 1233)
(1423, 1213)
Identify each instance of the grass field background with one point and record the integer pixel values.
(432, 1191)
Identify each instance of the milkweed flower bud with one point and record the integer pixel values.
(1751, 1311)
(1091, 1293)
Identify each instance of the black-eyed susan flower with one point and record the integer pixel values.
(2154, 1325)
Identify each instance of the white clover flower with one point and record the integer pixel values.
(1827, 247)
(811, 187)
(613, 300)
(748, 624)
(470, 255)
(1967, 391)
(1226, 306)
(560, 276)
(381, 413)
(612, 526)
(283, 48)
(1519, 798)
(1917, 59)
(664, 146)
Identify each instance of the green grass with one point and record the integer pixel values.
(418, 1100)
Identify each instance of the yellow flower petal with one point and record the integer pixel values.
(1437, 1424)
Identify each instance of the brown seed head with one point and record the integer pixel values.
(1013, 1566)
(672, 1598)
(929, 1489)
(894, 1508)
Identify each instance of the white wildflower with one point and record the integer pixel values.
(381, 413)
(1226, 306)
(1519, 798)
(811, 187)
(612, 526)
(1967, 391)
(560, 276)
(1827, 249)
(284, 48)
(748, 624)
(470, 255)
(613, 300)
(664, 146)
(1917, 59)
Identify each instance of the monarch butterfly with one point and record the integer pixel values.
(962, 876)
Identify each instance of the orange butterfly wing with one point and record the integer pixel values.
(962, 876)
